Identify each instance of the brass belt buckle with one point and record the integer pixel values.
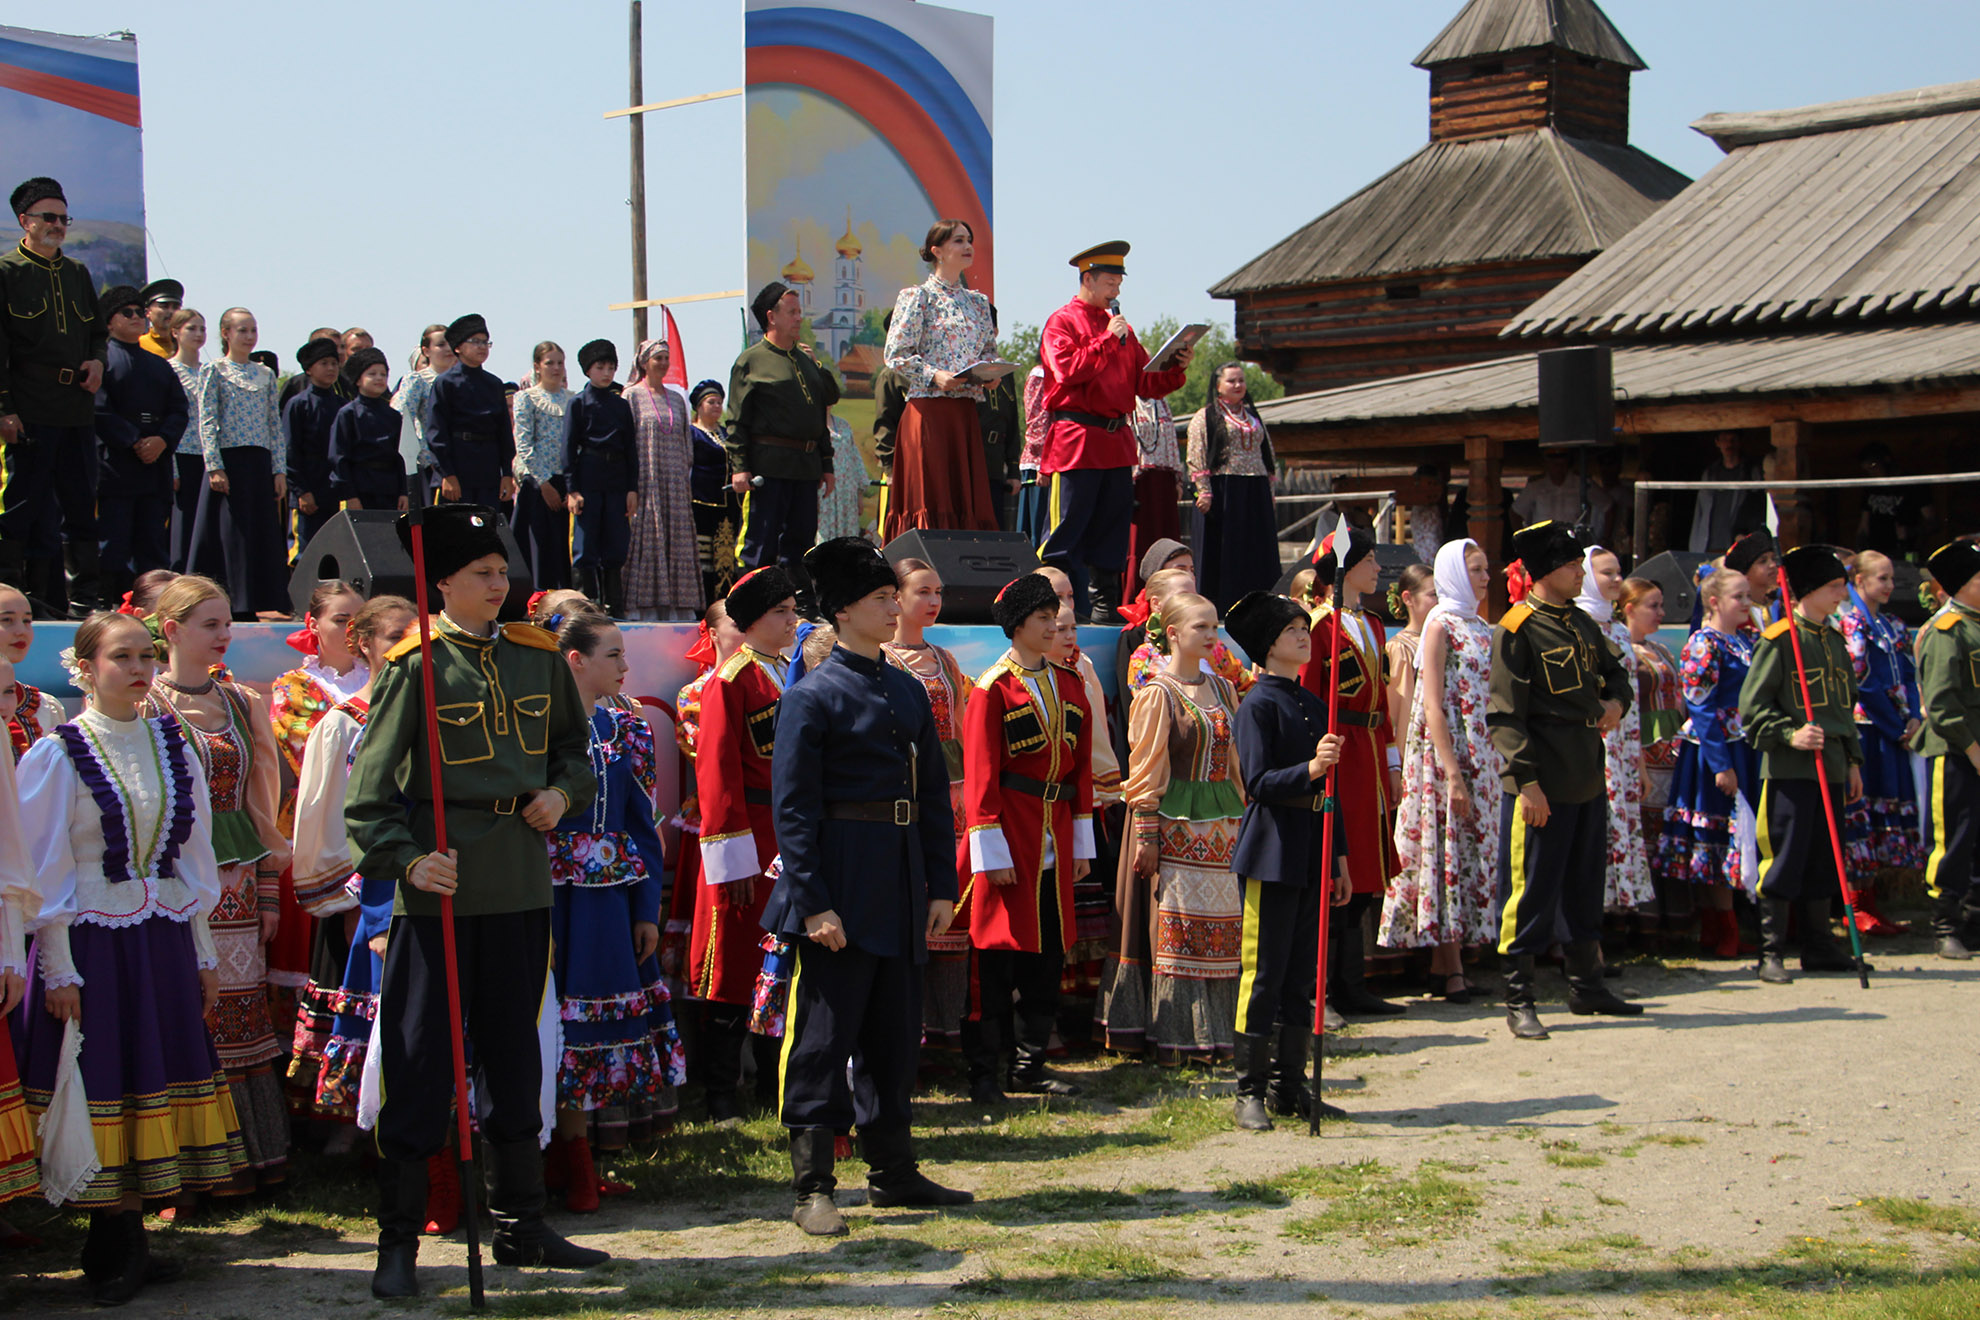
(65, 376)
(903, 812)
(505, 806)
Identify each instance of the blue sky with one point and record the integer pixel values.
(394, 164)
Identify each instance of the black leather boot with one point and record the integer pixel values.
(812, 1181)
(982, 1045)
(1522, 1018)
(1773, 942)
(1350, 993)
(1254, 1078)
(1587, 995)
(1819, 950)
(894, 1177)
(1034, 1040)
(722, 1036)
(14, 566)
(516, 1199)
(1104, 590)
(615, 590)
(401, 1210)
(1290, 1096)
(83, 569)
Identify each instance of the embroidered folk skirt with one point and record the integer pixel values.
(243, 1034)
(941, 480)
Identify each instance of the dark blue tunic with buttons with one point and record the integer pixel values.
(364, 453)
(468, 429)
(1278, 724)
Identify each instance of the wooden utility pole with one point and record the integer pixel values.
(638, 186)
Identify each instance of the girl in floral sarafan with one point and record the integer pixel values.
(234, 750)
(352, 913)
(1709, 825)
(305, 963)
(19, 900)
(1628, 887)
(35, 713)
(1660, 704)
(119, 830)
(1447, 828)
(606, 862)
(1883, 833)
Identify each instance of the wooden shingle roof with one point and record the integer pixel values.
(1836, 214)
(1492, 27)
(1525, 197)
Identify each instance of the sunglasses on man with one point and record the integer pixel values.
(47, 217)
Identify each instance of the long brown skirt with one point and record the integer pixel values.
(941, 480)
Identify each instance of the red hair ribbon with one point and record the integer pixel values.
(1518, 581)
(304, 638)
(535, 599)
(702, 653)
(127, 607)
(1137, 613)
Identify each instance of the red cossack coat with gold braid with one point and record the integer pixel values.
(1005, 733)
(738, 832)
(1361, 785)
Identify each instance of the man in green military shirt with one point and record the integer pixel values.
(1558, 685)
(780, 445)
(53, 343)
(1949, 740)
(514, 750)
(1797, 861)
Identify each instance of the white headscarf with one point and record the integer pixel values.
(1453, 579)
(1591, 599)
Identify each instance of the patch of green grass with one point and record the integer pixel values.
(1364, 1199)
(1106, 1262)
(1577, 1256)
(1610, 1128)
(1923, 1216)
(1672, 1139)
(1565, 1154)
(1061, 1203)
(1609, 1200)
(1251, 1193)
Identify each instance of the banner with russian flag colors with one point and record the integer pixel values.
(865, 122)
(69, 110)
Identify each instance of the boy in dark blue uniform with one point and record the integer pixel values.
(141, 413)
(601, 478)
(306, 420)
(366, 471)
(468, 427)
(1284, 749)
(861, 793)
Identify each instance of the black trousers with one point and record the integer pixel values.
(503, 961)
(1952, 825)
(238, 538)
(780, 521)
(1280, 955)
(1552, 871)
(850, 1006)
(1796, 861)
(309, 524)
(48, 493)
(189, 472)
(1032, 977)
(1090, 513)
(134, 521)
(602, 535)
(479, 468)
(543, 534)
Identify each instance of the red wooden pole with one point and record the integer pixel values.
(1327, 810)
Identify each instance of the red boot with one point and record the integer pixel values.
(581, 1193)
(443, 1194)
(1727, 944)
(556, 1165)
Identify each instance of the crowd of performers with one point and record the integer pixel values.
(235, 902)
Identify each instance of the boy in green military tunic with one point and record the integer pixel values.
(1949, 740)
(513, 746)
(1557, 686)
(1797, 860)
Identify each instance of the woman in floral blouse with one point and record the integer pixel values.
(1883, 833)
(415, 394)
(188, 330)
(542, 526)
(1447, 825)
(1230, 460)
(663, 572)
(238, 536)
(1660, 703)
(1627, 887)
(941, 328)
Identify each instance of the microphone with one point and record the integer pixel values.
(1114, 309)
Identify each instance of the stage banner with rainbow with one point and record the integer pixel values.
(866, 121)
(69, 110)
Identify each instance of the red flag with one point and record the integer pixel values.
(676, 352)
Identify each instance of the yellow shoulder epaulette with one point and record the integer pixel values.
(988, 678)
(734, 665)
(404, 646)
(1514, 617)
(528, 634)
(1777, 628)
(1947, 620)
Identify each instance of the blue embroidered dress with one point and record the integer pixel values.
(1698, 842)
(1883, 824)
(620, 1046)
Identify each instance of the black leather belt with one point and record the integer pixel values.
(500, 806)
(55, 375)
(478, 437)
(1357, 720)
(1090, 419)
(759, 797)
(901, 811)
(785, 442)
(1038, 788)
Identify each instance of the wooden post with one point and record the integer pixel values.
(638, 183)
(1790, 459)
(1485, 457)
(1640, 533)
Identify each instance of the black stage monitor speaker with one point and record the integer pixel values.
(1392, 559)
(362, 548)
(975, 566)
(1676, 571)
(1577, 397)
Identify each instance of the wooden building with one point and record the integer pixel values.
(1527, 175)
(1817, 291)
